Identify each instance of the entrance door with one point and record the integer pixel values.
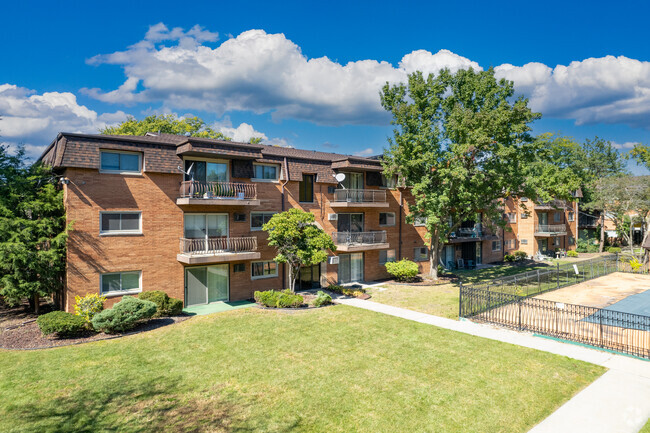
(350, 268)
(350, 222)
(206, 284)
(449, 256)
(543, 219)
(543, 245)
(309, 277)
(469, 251)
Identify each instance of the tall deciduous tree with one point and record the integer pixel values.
(166, 124)
(462, 143)
(298, 241)
(32, 231)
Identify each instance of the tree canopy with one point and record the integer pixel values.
(462, 142)
(298, 241)
(165, 124)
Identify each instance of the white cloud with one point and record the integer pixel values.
(365, 152)
(242, 133)
(267, 73)
(35, 119)
(626, 145)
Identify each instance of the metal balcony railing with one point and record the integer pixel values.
(230, 190)
(551, 228)
(553, 204)
(218, 245)
(360, 195)
(359, 238)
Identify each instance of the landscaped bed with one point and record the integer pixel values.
(335, 369)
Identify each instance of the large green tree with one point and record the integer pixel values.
(298, 241)
(166, 124)
(462, 142)
(32, 230)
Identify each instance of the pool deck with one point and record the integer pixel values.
(216, 307)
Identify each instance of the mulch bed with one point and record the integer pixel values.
(18, 329)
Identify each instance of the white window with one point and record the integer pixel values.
(570, 216)
(266, 171)
(120, 223)
(386, 256)
(421, 254)
(510, 244)
(258, 219)
(264, 270)
(496, 245)
(524, 241)
(420, 221)
(511, 217)
(120, 162)
(121, 283)
(387, 218)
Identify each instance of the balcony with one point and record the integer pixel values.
(360, 241)
(545, 230)
(217, 250)
(359, 198)
(469, 234)
(588, 221)
(218, 193)
(551, 205)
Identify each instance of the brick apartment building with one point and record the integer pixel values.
(184, 215)
(540, 227)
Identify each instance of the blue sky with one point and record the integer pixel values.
(308, 74)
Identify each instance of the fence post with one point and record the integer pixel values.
(460, 300)
(519, 302)
(600, 317)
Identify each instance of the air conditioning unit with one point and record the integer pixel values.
(333, 260)
(524, 198)
(333, 216)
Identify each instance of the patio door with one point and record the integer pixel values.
(543, 219)
(479, 253)
(203, 228)
(449, 256)
(350, 222)
(350, 268)
(206, 284)
(309, 277)
(543, 245)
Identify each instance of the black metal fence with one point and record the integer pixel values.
(507, 302)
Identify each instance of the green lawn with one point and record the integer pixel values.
(646, 428)
(336, 369)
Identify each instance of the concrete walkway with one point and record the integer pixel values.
(618, 401)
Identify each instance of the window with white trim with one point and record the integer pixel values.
(420, 254)
(510, 244)
(120, 223)
(258, 219)
(388, 182)
(511, 217)
(524, 241)
(121, 283)
(266, 171)
(120, 162)
(387, 218)
(420, 221)
(264, 269)
(570, 217)
(496, 245)
(386, 256)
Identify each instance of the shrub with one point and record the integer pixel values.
(441, 269)
(335, 288)
(509, 258)
(89, 305)
(322, 298)
(347, 291)
(635, 265)
(165, 306)
(571, 253)
(404, 270)
(275, 299)
(124, 315)
(520, 255)
(614, 250)
(61, 323)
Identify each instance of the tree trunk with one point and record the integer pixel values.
(434, 255)
(602, 232)
(632, 237)
(37, 302)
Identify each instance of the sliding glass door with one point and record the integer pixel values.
(350, 268)
(205, 230)
(206, 284)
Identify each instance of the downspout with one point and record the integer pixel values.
(286, 180)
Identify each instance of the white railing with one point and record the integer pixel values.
(360, 195)
(218, 245)
(552, 228)
(196, 189)
(359, 238)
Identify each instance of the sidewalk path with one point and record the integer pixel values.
(618, 401)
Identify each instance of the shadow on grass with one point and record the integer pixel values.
(491, 273)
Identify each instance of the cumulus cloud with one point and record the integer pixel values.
(243, 133)
(365, 152)
(624, 146)
(35, 119)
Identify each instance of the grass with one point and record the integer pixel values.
(646, 428)
(335, 369)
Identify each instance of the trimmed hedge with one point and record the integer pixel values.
(61, 323)
(124, 315)
(404, 270)
(165, 306)
(275, 299)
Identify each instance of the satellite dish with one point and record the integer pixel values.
(340, 177)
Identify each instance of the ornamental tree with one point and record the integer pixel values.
(462, 143)
(298, 241)
(166, 124)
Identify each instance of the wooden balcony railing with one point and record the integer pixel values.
(360, 195)
(218, 245)
(359, 238)
(230, 190)
(552, 228)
